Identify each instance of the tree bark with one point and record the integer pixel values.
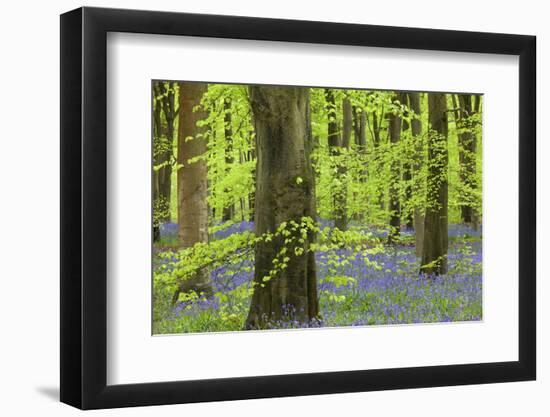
(467, 155)
(347, 123)
(285, 191)
(434, 253)
(360, 129)
(167, 91)
(341, 220)
(335, 148)
(229, 210)
(395, 125)
(477, 109)
(407, 168)
(360, 135)
(376, 127)
(416, 131)
(157, 133)
(192, 181)
(377, 140)
(477, 103)
(251, 155)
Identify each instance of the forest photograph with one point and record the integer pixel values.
(291, 207)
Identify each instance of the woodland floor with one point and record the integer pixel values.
(352, 292)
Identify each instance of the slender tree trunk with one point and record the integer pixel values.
(242, 159)
(157, 133)
(416, 131)
(467, 156)
(477, 103)
(434, 253)
(229, 210)
(476, 110)
(347, 122)
(407, 169)
(377, 140)
(395, 124)
(167, 92)
(335, 148)
(360, 129)
(376, 127)
(456, 109)
(192, 181)
(285, 192)
(360, 135)
(241, 202)
(341, 221)
(251, 155)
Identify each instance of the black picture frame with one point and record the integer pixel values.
(84, 207)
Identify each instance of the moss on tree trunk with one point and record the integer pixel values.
(434, 253)
(285, 191)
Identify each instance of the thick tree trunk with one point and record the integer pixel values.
(395, 125)
(434, 253)
(285, 191)
(416, 131)
(192, 181)
(229, 210)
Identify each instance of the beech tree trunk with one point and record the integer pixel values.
(475, 140)
(285, 191)
(347, 123)
(229, 210)
(167, 92)
(376, 127)
(335, 147)
(407, 169)
(251, 155)
(360, 135)
(434, 251)
(360, 129)
(192, 181)
(341, 221)
(377, 140)
(416, 131)
(395, 125)
(467, 155)
(157, 133)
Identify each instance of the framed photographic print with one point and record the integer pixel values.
(257, 207)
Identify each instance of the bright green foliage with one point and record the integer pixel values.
(161, 210)
(366, 177)
(229, 184)
(367, 172)
(236, 252)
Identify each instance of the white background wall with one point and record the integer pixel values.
(29, 220)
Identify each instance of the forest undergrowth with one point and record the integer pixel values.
(375, 284)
